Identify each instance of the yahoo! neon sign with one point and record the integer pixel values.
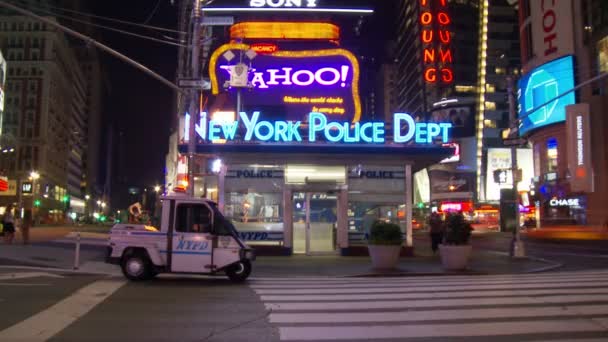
(404, 130)
(327, 76)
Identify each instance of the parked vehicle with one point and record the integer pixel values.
(194, 237)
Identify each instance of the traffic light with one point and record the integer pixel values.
(65, 199)
(36, 203)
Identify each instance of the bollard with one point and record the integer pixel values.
(77, 253)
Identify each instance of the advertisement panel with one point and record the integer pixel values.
(578, 135)
(500, 159)
(291, 84)
(462, 119)
(447, 184)
(552, 29)
(541, 85)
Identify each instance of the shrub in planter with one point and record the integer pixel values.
(456, 250)
(384, 244)
(457, 230)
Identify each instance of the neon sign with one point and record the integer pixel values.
(300, 77)
(294, 83)
(282, 3)
(435, 36)
(319, 128)
(263, 48)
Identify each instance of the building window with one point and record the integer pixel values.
(602, 54)
(500, 71)
(552, 155)
(489, 123)
(490, 88)
(490, 105)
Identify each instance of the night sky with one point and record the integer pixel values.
(140, 108)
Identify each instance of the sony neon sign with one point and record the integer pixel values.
(435, 36)
(282, 3)
(287, 76)
(405, 130)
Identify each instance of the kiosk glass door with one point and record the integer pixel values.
(314, 222)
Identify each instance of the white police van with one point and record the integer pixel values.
(194, 237)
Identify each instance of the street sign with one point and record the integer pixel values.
(194, 83)
(26, 188)
(217, 21)
(515, 141)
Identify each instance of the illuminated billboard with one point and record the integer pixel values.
(541, 85)
(291, 84)
(500, 159)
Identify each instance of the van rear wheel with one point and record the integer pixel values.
(239, 271)
(137, 267)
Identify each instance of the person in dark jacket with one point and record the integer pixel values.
(436, 231)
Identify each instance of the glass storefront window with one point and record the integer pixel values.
(374, 193)
(254, 202)
(552, 155)
(602, 54)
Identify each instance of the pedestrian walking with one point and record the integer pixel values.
(8, 222)
(436, 230)
(26, 223)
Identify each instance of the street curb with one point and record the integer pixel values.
(552, 264)
(415, 274)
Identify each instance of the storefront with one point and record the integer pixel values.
(314, 198)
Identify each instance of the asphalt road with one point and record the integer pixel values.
(54, 306)
(573, 254)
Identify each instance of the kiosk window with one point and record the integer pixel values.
(193, 218)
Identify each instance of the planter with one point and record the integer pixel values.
(455, 257)
(384, 256)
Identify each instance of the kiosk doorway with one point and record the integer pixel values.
(315, 217)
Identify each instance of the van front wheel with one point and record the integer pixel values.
(239, 271)
(137, 267)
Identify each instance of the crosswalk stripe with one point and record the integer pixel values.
(445, 284)
(437, 315)
(321, 333)
(379, 289)
(51, 321)
(429, 303)
(421, 279)
(421, 295)
(438, 307)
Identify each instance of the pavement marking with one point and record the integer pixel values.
(429, 303)
(435, 330)
(378, 288)
(365, 295)
(23, 275)
(24, 284)
(51, 321)
(438, 315)
(444, 283)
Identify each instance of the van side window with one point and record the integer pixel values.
(193, 218)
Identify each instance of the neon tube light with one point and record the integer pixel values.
(314, 10)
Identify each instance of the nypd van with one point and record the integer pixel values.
(194, 237)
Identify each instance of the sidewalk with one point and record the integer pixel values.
(61, 253)
(568, 233)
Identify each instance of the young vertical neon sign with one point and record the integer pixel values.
(436, 37)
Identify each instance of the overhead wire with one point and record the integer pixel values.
(162, 41)
(152, 13)
(125, 22)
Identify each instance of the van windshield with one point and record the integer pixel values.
(221, 225)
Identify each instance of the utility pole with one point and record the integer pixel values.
(517, 246)
(195, 43)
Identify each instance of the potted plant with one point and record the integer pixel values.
(456, 249)
(384, 244)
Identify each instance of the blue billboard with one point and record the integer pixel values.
(541, 85)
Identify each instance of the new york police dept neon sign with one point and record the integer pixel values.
(404, 130)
